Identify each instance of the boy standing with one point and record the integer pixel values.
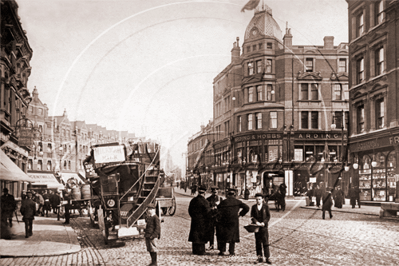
(260, 216)
(152, 233)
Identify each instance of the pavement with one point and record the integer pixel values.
(50, 237)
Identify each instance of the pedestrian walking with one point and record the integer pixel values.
(338, 197)
(39, 200)
(152, 233)
(55, 202)
(357, 193)
(199, 211)
(260, 216)
(318, 194)
(28, 210)
(283, 192)
(67, 206)
(8, 205)
(327, 203)
(227, 228)
(214, 201)
(47, 204)
(352, 195)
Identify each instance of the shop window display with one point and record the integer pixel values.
(365, 179)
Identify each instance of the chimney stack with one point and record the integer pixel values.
(235, 52)
(329, 42)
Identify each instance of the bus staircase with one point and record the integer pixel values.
(131, 213)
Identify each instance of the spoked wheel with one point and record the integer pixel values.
(172, 209)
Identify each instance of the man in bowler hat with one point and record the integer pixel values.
(28, 210)
(227, 229)
(199, 211)
(214, 201)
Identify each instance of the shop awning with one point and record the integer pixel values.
(45, 179)
(66, 176)
(10, 171)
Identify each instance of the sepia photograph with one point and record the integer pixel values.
(199, 132)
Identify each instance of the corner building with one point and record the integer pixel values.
(374, 98)
(275, 108)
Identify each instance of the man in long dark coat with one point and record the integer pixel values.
(199, 210)
(227, 228)
(214, 200)
(28, 210)
(327, 203)
(8, 205)
(260, 216)
(338, 197)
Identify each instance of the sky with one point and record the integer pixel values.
(148, 66)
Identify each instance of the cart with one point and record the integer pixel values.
(279, 200)
(166, 200)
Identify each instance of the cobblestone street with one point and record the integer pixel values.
(298, 236)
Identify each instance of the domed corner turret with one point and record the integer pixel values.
(263, 23)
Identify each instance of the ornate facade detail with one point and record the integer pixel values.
(309, 76)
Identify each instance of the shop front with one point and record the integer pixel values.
(374, 168)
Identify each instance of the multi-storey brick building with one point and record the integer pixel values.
(15, 70)
(200, 156)
(61, 146)
(374, 97)
(279, 110)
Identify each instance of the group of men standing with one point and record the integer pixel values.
(223, 215)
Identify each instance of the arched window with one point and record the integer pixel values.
(39, 165)
(48, 165)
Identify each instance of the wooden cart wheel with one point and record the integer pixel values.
(172, 209)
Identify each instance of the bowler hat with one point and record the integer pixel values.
(231, 191)
(5, 189)
(202, 189)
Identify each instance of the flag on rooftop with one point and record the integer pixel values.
(251, 5)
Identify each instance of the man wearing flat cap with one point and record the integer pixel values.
(227, 229)
(199, 210)
(260, 216)
(152, 232)
(8, 206)
(214, 201)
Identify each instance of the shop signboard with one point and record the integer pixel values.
(109, 154)
(25, 137)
